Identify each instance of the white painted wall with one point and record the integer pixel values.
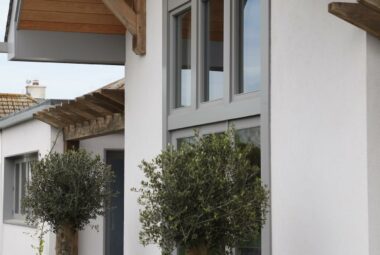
(319, 132)
(31, 136)
(373, 120)
(91, 242)
(143, 127)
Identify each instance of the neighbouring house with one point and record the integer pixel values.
(287, 73)
(24, 138)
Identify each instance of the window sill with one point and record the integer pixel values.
(17, 222)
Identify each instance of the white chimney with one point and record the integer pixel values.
(34, 89)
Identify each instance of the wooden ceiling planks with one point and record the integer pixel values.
(93, 114)
(86, 16)
(365, 14)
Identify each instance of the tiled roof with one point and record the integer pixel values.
(10, 103)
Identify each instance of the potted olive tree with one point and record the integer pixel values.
(206, 197)
(67, 191)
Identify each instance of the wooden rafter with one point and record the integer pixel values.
(134, 20)
(98, 113)
(365, 14)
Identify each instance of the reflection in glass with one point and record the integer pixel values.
(214, 35)
(250, 57)
(183, 61)
(244, 137)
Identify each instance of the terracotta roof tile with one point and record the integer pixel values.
(10, 103)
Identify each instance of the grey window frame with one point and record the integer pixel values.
(27, 161)
(233, 106)
(9, 179)
(183, 6)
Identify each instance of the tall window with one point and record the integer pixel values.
(214, 49)
(183, 59)
(250, 55)
(22, 176)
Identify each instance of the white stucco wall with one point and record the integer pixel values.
(143, 127)
(91, 241)
(319, 132)
(31, 136)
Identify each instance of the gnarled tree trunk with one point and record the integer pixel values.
(67, 241)
(199, 250)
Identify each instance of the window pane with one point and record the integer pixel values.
(214, 75)
(250, 57)
(23, 184)
(183, 53)
(249, 135)
(17, 188)
(181, 141)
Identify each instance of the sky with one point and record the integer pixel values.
(62, 81)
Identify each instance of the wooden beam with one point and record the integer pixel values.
(374, 4)
(102, 126)
(124, 13)
(105, 105)
(134, 20)
(85, 112)
(359, 15)
(87, 106)
(118, 106)
(139, 40)
(48, 119)
(114, 94)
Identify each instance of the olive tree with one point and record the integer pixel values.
(206, 196)
(67, 191)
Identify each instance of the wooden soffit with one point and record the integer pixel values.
(85, 16)
(365, 14)
(95, 114)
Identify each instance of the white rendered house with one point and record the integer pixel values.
(289, 72)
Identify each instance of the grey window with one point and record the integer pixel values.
(213, 11)
(249, 45)
(22, 177)
(183, 59)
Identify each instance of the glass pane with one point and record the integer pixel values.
(214, 75)
(183, 53)
(250, 56)
(249, 135)
(181, 141)
(23, 183)
(17, 188)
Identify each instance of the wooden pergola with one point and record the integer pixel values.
(365, 14)
(95, 114)
(87, 16)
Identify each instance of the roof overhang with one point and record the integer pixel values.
(65, 31)
(95, 114)
(365, 14)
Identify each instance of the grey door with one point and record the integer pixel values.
(114, 222)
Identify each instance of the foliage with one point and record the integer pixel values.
(68, 189)
(208, 193)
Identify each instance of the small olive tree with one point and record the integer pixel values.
(206, 196)
(67, 191)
